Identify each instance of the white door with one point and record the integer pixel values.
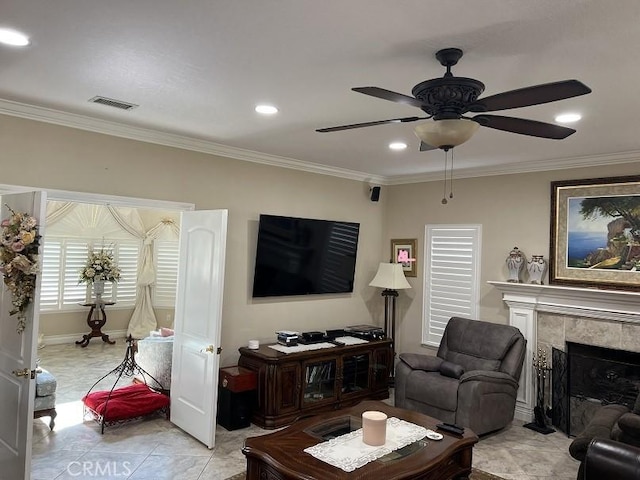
(18, 356)
(194, 374)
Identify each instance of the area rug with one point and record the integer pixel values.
(475, 475)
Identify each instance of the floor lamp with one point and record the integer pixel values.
(390, 277)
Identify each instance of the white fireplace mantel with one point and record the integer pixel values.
(613, 305)
(526, 300)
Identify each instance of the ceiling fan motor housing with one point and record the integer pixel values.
(448, 97)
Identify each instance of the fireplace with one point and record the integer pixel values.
(549, 316)
(586, 377)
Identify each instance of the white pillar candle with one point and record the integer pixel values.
(374, 428)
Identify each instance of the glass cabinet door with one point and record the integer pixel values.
(355, 373)
(320, 381)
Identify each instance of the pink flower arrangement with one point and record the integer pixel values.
(19, 261)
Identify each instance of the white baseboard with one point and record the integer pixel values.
(523, 413)
(64, 339)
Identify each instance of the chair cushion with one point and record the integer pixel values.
(44, 403)
(433, 389)
(46, 383)
(452, 370)
(125, 402)
(477, 345)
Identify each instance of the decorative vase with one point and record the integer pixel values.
(536, 267)
(98, 289)
(515, 262)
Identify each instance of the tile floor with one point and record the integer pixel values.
(156, 449)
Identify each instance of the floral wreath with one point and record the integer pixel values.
(19, 261)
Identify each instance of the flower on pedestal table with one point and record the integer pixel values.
(19, 261)
(100, 267)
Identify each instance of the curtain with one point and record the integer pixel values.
(143, 320)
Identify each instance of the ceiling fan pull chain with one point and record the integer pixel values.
(444, 190)
(451, 176)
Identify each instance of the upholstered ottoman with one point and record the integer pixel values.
(45, 402)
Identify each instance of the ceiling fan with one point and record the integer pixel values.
(446, 100)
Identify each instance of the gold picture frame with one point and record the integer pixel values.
(594, 239)
(405, 248)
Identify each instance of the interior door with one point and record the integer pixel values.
(18, 356)
(194, 373)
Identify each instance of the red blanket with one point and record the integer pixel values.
(125, 402)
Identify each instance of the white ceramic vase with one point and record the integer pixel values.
(515, 262)
(98, 289)
(537, 267)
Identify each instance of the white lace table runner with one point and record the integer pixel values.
(349, 452)
(301, 348)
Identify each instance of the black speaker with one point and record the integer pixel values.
(234, 408)
(375, 194)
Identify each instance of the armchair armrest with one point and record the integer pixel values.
(628, 429)
(600, 425)
(419, 361)
(488, 376)
(610, 460)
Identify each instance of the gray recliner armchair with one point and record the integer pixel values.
(473, 380)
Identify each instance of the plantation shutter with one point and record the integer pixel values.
(127, 259)
(452, 277)
(166, 257)
(74, 258)
(50, 274)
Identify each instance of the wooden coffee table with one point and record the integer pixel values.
(280, 455)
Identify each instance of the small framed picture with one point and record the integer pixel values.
(404, 251)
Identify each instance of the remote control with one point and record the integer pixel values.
(450, 428)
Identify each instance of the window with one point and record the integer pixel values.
(62, 260)
(451, 277)
(166, 260)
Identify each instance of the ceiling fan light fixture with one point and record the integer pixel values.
(446, 134)
(397, 146)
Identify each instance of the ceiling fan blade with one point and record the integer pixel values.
(523, 126)
(535, 95)
(371, 124)
(389, 95)
(425, 147)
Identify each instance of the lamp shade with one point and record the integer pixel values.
(446, 133)
(390, 276)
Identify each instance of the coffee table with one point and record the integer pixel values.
(280, 455)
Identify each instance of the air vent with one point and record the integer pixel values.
(110, 102)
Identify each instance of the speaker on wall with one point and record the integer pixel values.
(375, 194)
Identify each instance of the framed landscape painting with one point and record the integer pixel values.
(595, 233)
(404, 251)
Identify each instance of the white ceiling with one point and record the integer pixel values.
(197, 69)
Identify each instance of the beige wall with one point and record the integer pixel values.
(514, 210)
(49, 156)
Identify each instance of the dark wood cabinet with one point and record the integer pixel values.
(291, 385)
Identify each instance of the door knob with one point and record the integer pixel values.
(25, 372)
(209, 349)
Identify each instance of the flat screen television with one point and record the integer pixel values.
(302, 256)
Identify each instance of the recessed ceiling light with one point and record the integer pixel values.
(266, 109)
(568, 117)
(397, 146)
(13, 37)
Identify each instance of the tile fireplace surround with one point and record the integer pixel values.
(549, 316)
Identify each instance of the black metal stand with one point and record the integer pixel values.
(390, 326)
(543, 383)
(128, 367)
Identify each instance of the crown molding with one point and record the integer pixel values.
(524, 167)
(83, 122)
